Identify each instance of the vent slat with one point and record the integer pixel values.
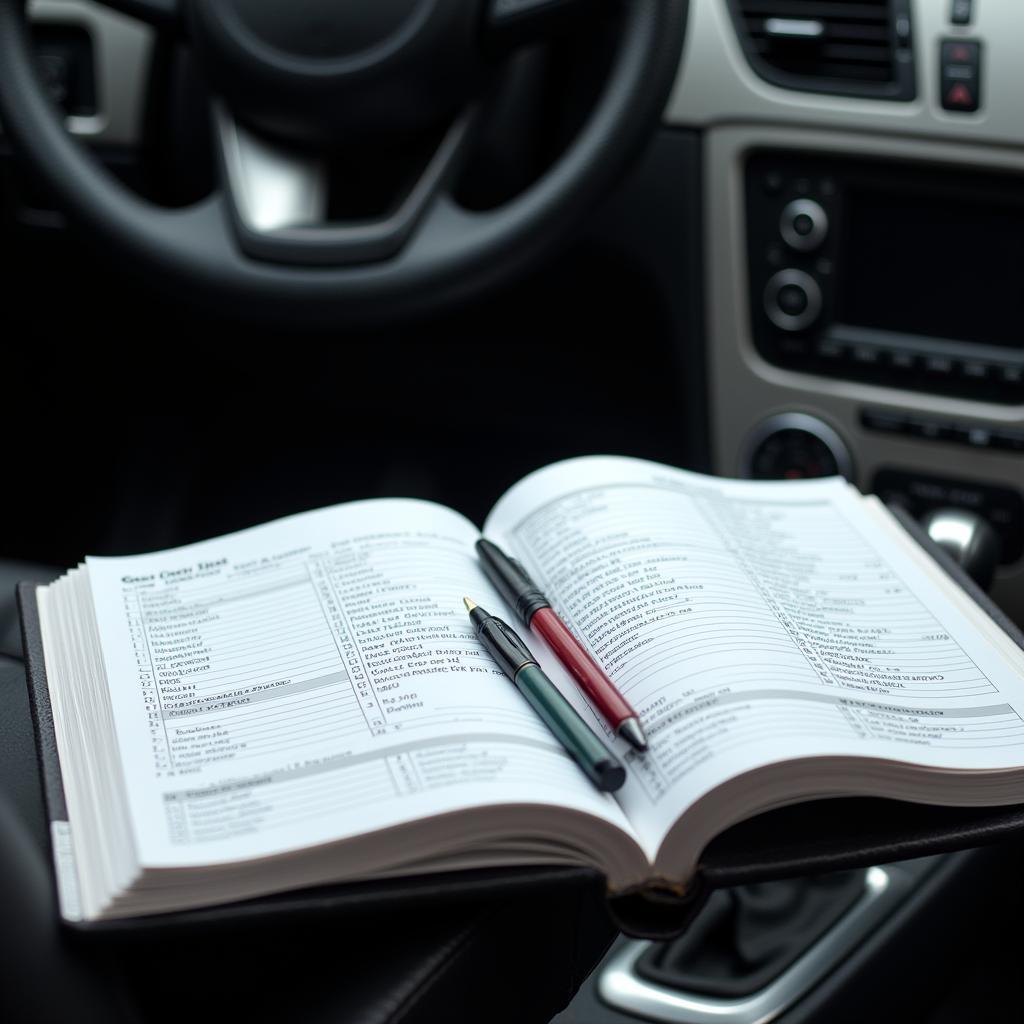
(819, 9)
(814, 9)
(855, 45)
(835, 33)
(867, 54)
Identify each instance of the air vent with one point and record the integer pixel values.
(848, 47)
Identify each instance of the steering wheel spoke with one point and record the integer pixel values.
(162, 14)
(280, 202)
(274, 240)
(511, 23)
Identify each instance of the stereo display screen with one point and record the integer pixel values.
(934, 266)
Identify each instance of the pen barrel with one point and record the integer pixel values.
(510, 579)
(593, 679)
(599, 764)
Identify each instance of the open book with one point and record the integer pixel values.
(305, 703)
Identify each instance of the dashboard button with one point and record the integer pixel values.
(961, 12)
(932, 430)
(803, 225)
(792, 300)
(941, 366)
(961, 96)
(975, 437)
(886, 422)
(904, 33)
(961, 51)
(866, 355)
(960, 78)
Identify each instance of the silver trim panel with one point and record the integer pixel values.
(272, 187)
(716, 84)
(621, 987)
(745, 388)
(122, 51)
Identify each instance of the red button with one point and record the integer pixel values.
(959, 96)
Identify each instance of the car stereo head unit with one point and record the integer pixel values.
(889, 273)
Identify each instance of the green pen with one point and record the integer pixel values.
(597, 762)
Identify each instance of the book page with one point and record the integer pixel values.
(751, 623)
(311, 679)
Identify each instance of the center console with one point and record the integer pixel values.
(890, 274)
(865, 313)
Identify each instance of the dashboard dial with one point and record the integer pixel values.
(795, 446)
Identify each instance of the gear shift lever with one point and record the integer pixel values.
(969, 538)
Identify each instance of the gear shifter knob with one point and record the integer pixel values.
(969, 538)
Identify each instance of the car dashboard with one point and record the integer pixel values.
(887, 340)
(825, 243)
(860, 228)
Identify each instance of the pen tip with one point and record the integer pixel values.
(470, 605)
(631, 731)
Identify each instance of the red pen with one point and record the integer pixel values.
(536, 613)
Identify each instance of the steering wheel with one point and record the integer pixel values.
(293, 81)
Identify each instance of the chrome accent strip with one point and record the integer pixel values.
(793, 28)
(279, 199)
(271, 187)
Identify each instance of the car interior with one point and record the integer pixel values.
(263, 257)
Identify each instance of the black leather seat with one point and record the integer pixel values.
(514, 959)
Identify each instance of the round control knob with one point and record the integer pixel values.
(794, 446)
(803, 225)
(792, 300)
(969, 538)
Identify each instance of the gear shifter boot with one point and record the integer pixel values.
(746, 937)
